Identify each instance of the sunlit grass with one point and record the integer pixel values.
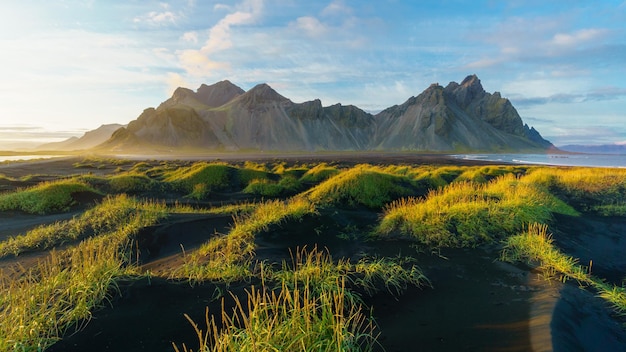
(44, 198)
(372, 275)
(589, 189)
(319, 173)
(38, 306)
(228, 257)
(311, 308)
(104, 217)
(468, 213)
(361, 185)
(535, 246)
(290, 319)
(201, 179)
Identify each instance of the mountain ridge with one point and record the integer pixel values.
(223, 117)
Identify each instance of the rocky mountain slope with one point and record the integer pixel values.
(88, 140)
(223, 117)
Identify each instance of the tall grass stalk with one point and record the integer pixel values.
(292, 319)
(104, 217)
(37, 307)
(468, 213)
(535, 246)
(228, 257)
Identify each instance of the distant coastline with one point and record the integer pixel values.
(573, 159)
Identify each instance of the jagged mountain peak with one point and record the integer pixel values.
(182, 93)
(262, 93)
(471, 81)
(218, 94)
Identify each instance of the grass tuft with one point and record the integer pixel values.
(362, 185)
(46, 197)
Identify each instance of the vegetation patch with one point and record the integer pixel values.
(310, 308)
(103, 218)
(40, 305)
(212, 177)
(536, 247)
(229, 257)
(318, 173)
(466, 213)
(362, 185)
(46, 197)
(587, 189)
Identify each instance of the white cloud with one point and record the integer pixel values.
(337, 7)
(175, 80)
(311, 26)
(199, 62)
(191, 37)
(155, 18)
(222, 7)
(579, 37)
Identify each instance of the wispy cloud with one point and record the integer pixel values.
(541, 42)
(200, 62)
(165, 16)
(605, 93)
(337, 8)
(579, 37)
(564, 135)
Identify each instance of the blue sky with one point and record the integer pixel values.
(68, 66)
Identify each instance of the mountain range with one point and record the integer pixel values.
(223, 117)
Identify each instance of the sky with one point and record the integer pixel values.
(68, 66)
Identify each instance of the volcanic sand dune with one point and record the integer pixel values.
(476, 302)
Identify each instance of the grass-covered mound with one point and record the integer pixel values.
(200, 179)
(307, 305)
(362, 185)
(483, 174)
(102, 218)
(467, 213)
(48, 197)
(288, 185)
(587, 189)
(62, 289)
(535, 246)
(319, 173)
(228, 257)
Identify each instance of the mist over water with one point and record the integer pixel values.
(26, 157)
(590, 160)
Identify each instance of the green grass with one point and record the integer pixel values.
(362, 185)
(318, 173)
(587, 189)
(265, 188)
(307, 305)
(63, 289)
(292, 319)
(201, 179)
(228, 257)
(45, 198)
(484, 174)
(317, 267)
(287, 185)
(215, 176)
(536, 247)
(131, 183)
(467, 213)
(104, 217)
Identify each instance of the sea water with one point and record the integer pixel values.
(26, 157)
(591, 160)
